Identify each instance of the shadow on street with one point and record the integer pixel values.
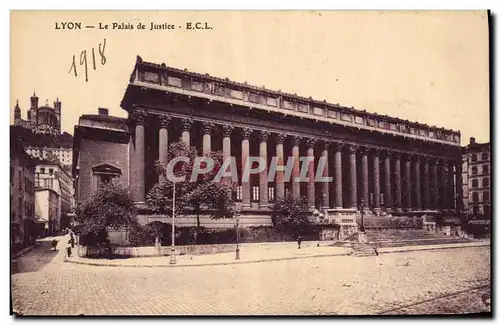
(36, 259)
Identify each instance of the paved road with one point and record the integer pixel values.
(447, 281)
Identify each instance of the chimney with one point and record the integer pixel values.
(472, 140)
(103, 111)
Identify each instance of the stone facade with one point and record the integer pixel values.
(476, 185)
(381, 163)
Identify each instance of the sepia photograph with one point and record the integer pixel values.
(250, 163)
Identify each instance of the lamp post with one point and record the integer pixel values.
(361, 232)
(237, 235)
(172, 247)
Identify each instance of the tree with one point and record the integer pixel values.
(202, 195)
(112, 206)
(291, 215)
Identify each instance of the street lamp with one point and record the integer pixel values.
(362, 227)
(237, 235)
(172, 247)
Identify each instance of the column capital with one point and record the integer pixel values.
(280, 138)
(264, 135)
(395, 154)
(186, 124)
(227, 129)
(325, 144)
(296, 140)
(352, 148)
(138, 116)
(407, 157)
(207, 127)
(245, 133)
(164, 121)
(425, 159)
(363, 150)
(415, 157)
(338, 146)
(376, 151)
(311, 143)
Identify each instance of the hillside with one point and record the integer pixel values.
(28, 138)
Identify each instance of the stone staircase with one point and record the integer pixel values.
(363, 250)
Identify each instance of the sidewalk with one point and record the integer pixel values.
(255, 255)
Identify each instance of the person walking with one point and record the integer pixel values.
(299, 241)
(68, 248)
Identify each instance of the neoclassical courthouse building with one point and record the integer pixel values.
(378, 162)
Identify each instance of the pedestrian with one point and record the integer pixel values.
(299, 241)
(72, 240)
(54, 244)
(68, 248)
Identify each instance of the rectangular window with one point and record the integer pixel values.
(239, 193)
(475, 183)
(346, 117)
(42, 170)
(486, 182)
(255, 193)
(359, 120)
(486, 169)
(151, 77)
(486, 196)
(271, 193)
(474, 157)
(254, 98)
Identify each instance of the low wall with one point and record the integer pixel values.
(187, 249)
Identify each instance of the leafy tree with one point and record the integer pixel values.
(290, 215)
(112, 206)
(202, 195)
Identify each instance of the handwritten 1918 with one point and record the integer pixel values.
(83, 60)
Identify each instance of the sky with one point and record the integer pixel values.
(428, 67)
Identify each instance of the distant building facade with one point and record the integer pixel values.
(476, 166)
(22, 195)
(48, 208)
(44, 119)
(53, 176)
(63, 155)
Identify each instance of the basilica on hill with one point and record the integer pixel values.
(41, 120)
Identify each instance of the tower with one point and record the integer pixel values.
(33, 108)
(57, 108)
(17, 114)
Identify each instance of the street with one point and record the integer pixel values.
(424, 282)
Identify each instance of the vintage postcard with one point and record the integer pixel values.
(250, 163)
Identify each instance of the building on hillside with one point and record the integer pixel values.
(476, 166)
(47, 207)
(62, 155)
(43, 120)
(389, 164)
(22, 196)
(51, 175)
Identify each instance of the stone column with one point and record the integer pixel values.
(296, 167)
(325, 204)
(338, 176)
(311, 195)
(163, 143)
(186, 128)
(137, 156)
(444, 186)
(227, 129)
(353, 191)
(451, 186)
(434, 185)
(387, 178)
(364, 178)
(207, 128)
(407, 183)
(417, 202)
(376, 181)
(280, 183)
(426, 184)
(397, 181)
(263, 184)
(245, 152)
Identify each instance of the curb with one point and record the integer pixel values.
(207, 264)
(399, 250)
